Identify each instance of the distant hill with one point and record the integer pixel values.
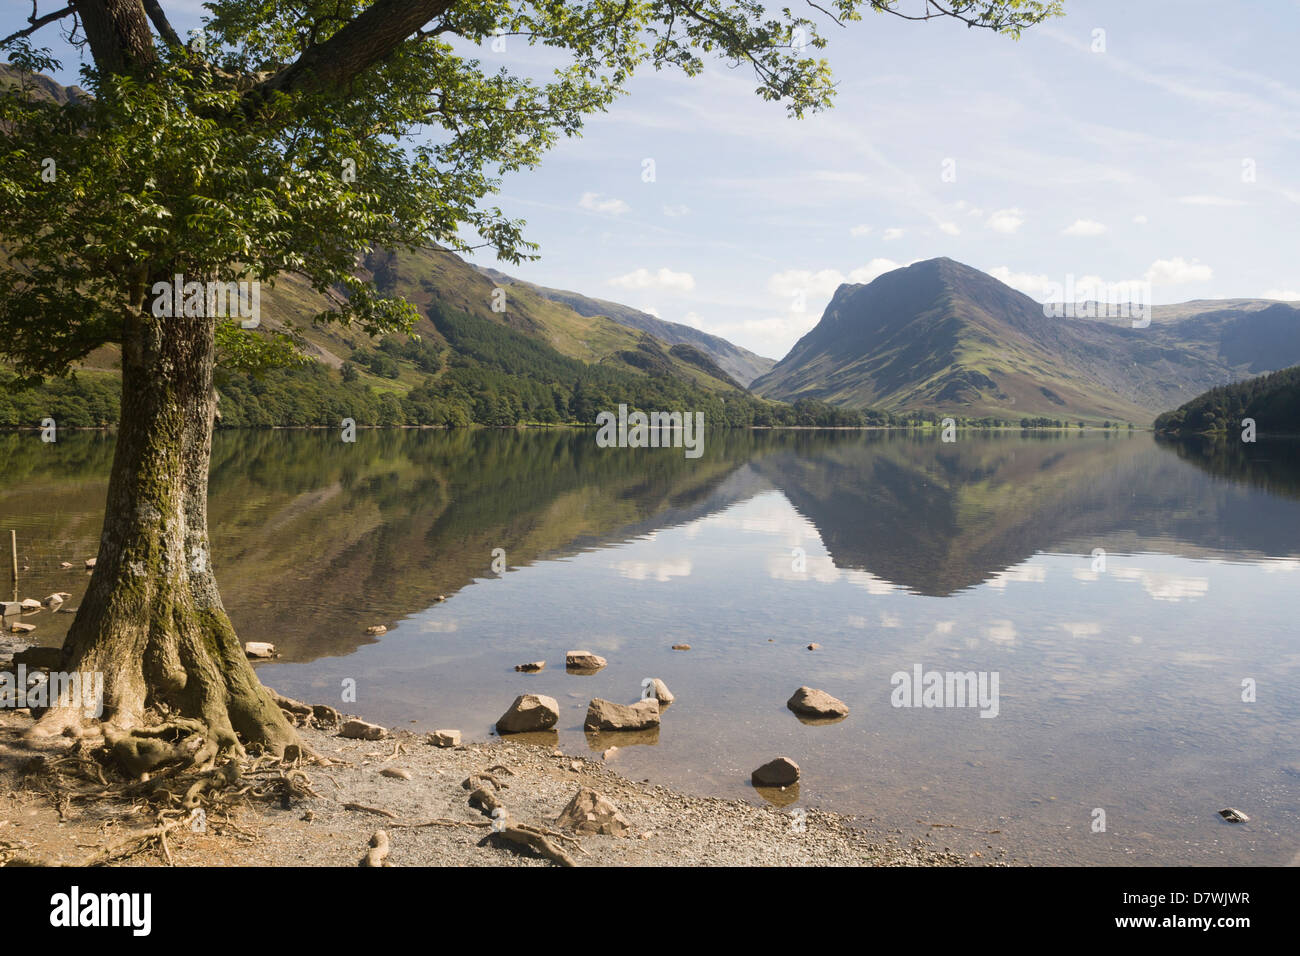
(1272, 400)
(942, 336)
(741, 364)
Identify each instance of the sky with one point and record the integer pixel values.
(1125, 142)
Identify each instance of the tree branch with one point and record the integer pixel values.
(37, 22)
(161, 23)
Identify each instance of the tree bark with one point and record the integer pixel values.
(152, 621)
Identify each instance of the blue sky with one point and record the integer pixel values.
(1173, 155)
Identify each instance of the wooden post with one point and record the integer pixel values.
(13, 547)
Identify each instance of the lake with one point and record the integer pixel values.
(1135, 601)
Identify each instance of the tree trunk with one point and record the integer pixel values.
(152, 621)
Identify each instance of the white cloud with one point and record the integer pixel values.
(1177, 271)
(950, 228)
(676, 211)
(804, 282)
(857, 232)
(1203, 200)
(1029, 283)
(663, 279)
(1140, 219)
(1006, 220)
(648, 310)
(893, 233)
(1084, 227)
(609, 206)
(1286, 295)
(691, 319)
(874, 268)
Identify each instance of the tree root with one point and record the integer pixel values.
(522, 835)
(377, 855)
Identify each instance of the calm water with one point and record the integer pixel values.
(1121, 590)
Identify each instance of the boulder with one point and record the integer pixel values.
(10, 608)
(589, 812)
(781, 772)
(810, 702)
(584, 661)
(530, 668)
(30, 604)
(607, 715)
(529, 712)
(361, 730)
(259, 649)
(445, 738)
(19, 628)
(659, 692)
(55, 601)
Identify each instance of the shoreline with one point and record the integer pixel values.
(414, 791)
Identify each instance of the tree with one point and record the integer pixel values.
(290, 138)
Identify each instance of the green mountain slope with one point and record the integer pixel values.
(943, 336)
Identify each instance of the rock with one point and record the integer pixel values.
(607, 715)
(377, 629)
(396, 772)
(445, 738)
(65, 564)
(809, 702)
(584, 661)
(55, 601)
(361, 730)
(531, 668)
(259, 649)
(20, 628)
(10, 608)
(681, 647)
(781, 772)
(660, 692)
(442, 597)
(49, 657)
(529, 712)
(609, 754)
(325, 715)
(589, 812)
(30, 604)
(814, 647)
(90, 563)
(1233, 816)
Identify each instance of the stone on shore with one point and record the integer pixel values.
(445, 738)
(259, 649)
(325, 715)
(397, 773)
(590, 812)
(362, 730)
(584, 661)
(781, 772)
(659, 692)
(377, 629)
(810, 702)
(607, 715)
(529, 712)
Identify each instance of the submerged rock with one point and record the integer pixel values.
(530, 668)
(810, 702)
(1233, 816)
(584, 661)
(781, 772)
(681, 647)
(529, 712)
(607, 715)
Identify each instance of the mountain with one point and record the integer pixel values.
(942, 336)
(741, 364)
(1273, 401)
